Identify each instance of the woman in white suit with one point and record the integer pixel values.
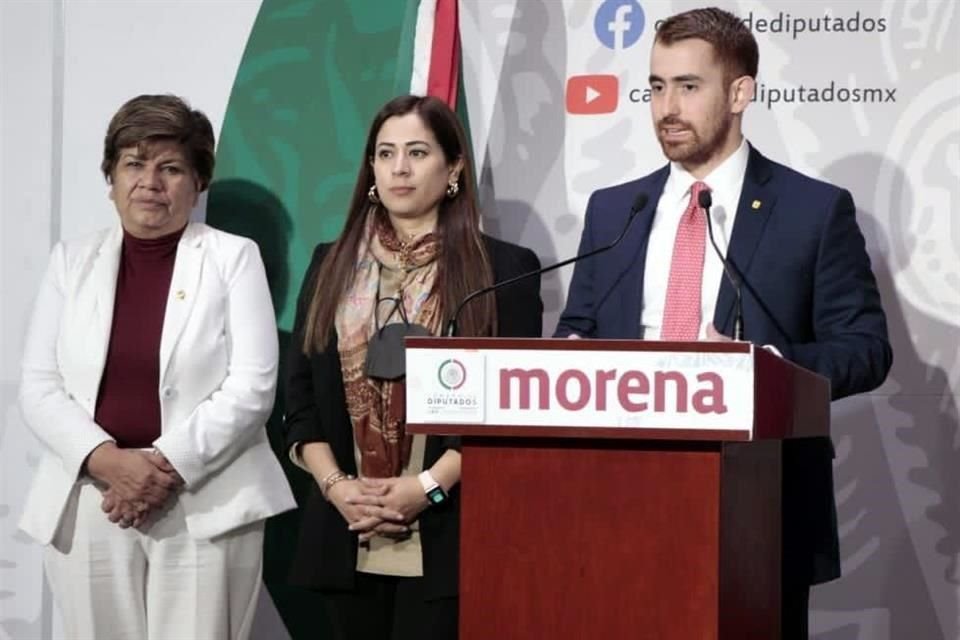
(148, 374)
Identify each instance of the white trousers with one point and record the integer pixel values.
(151, 583)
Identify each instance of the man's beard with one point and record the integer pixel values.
(694, 151)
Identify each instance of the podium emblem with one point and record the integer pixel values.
(451, 374)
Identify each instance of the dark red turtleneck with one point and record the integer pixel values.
(128, 405)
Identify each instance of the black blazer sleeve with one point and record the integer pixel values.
(302, 422)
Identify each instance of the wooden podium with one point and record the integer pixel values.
(617, 503)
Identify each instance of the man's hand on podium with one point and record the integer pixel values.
(715, 336)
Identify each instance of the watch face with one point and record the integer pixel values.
(436, 495)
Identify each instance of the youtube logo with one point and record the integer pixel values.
(592, 94)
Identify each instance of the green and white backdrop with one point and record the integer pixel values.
(863, 93)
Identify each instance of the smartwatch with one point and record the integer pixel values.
(432, 489)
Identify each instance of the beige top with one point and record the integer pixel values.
(392, 556)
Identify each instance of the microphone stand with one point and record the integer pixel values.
(638, 204)
(705, 200)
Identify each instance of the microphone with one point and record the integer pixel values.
(638, 204)
(705, 200)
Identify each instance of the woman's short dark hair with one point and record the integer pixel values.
(152, 118)
(732, 41)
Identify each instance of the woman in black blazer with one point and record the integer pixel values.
(383, 554)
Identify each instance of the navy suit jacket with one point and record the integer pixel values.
(807, 289)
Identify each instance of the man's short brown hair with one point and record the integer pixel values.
(732, 41)
(152, 118)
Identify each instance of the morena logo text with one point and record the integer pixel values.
(634, 391)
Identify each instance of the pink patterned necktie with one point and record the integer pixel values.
(681, 313)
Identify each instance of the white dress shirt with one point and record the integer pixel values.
(726, 183)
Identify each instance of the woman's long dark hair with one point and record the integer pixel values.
(462, 262)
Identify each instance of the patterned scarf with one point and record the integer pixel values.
(386, 268)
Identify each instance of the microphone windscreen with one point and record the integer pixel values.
(704, 199)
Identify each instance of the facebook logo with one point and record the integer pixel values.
(619, 23)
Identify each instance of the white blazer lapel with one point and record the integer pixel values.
(184, 288)
(103, 281)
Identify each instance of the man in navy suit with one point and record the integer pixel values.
(808, 290)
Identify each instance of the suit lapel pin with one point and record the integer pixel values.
(756, 205)
(181, 294)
